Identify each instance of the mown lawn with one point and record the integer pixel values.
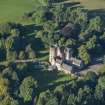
(13, 10)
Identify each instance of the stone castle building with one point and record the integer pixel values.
(62, 58)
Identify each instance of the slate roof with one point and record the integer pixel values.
(59, 60)
(76, 61)
(68, 30)
(70, 50)
(67, 66)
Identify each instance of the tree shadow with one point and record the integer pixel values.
(57, 1)
(71, 4)
(30, 29)
(52, 87)
(97, 12)
(37, 43)
(47, 79)
(27, 36)
(42, 54)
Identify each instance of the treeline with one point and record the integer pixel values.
(20, 86)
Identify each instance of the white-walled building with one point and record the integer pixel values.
(62, 58)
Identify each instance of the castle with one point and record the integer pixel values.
(62, 58)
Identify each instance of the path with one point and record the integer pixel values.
(18, 61)
(97, 64)
(92, 68)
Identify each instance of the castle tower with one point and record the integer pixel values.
(60, 52)
(52, 54)
(68, 53)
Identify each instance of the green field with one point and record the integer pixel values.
(13, 10)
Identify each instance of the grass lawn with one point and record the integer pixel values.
(13, 10)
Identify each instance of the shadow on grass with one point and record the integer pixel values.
(30, 29)
(49, 79)
(58, 1)
(71, 4)
(37, 44)
(42, 54)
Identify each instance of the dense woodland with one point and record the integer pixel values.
(20, 83)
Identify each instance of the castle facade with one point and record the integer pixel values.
(62, 58)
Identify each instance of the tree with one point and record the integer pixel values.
(43, 2)
(9, 43)
(48, 36)
(92, 43)
(85, 35)
(79, 16)
(102, 37)
(84, 55)
(15, 32)
(95, 24)
(28, 48)
(11, 55)
(2, 43)
(101, 82)
(72, 100)
(5, 28)
(10, 74)
(3, 86)
(100, 90)
(8, 100)
(22, 55)
(70, 42)
(40, 15)
(52, 101)
(85, 96)
(91, 78)
(15, 102)
(27, 88)
(59, 13)
(62, 42)
(44, 97)
(49, 26)
(99, 94)
(59, 92)
(31, 54)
